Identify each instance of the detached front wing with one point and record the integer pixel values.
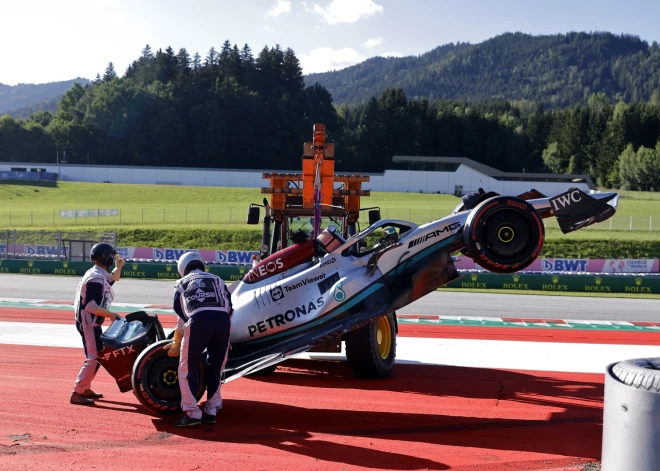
(575, 209)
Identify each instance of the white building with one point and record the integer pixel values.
(450, 175)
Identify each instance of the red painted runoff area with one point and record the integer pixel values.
(307, 415)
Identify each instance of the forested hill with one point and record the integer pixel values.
(25, 95)
(559, 70)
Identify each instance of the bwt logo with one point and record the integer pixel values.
(43, 250)
(564, 264)
(234, 256)
(170, 254)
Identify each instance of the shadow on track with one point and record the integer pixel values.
(568, 424)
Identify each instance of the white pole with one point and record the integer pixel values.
(650, 223)
(631, 222)
(611, 224)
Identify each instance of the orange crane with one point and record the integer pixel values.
(311, 193)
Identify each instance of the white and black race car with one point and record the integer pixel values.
(330, 288)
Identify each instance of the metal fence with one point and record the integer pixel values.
(238, 215)
(51, 245)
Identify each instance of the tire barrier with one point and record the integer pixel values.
(581, 283)
(631, 413)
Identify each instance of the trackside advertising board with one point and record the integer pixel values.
(577, 265)
(545, 265)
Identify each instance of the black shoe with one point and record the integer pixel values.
(80, 400)
(187, 421)
(208, 419)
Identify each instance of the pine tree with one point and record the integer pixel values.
(109, 73)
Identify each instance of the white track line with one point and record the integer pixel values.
(499, 354)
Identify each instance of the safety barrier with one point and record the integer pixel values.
(582, 283)
(228, 272)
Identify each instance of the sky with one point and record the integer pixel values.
(45, 41)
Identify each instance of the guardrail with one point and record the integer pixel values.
(567, 282)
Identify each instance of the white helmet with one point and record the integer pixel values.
(186, 260)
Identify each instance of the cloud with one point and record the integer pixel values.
(269, 29)
(346, 11)
(373, 42)
(283, 6)
(323, 59)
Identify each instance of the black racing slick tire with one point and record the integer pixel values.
(155, 380)
(504, 234)
(371, 349)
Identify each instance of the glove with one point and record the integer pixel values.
(173, 349)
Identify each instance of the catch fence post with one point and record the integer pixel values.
(163, 215)
(120, 216)
(14, 248)
(611, 223)
(53, 217)
(207, 215)
(650, 223)
(142, 215)
(186, 214)
(10, 218)
(631, 222)
(230, 214)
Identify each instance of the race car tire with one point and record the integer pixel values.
(371, 349)
(640, 373)
(504, 234)
(155, 380)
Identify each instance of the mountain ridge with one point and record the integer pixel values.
(556, 70)
(26, 95)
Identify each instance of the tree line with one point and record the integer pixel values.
(233, 110)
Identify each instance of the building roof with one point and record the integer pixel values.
(497, 174)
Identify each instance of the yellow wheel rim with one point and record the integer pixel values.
(506, 234)
(384, 337)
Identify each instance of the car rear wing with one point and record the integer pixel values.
(575, 209)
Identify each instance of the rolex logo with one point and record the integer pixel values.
(168, 268)
(134, 266)
(516, 278)
(207, 268)
(638, 281)
(474, 277)
(241, 270)
(65, 264)
(555, 279)
(30, 263)
(598, 280)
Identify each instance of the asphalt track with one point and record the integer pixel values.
(469, 413)
(445, 303)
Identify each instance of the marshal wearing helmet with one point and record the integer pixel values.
(93, 299)
(203, 304)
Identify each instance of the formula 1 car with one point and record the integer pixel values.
(320, 289)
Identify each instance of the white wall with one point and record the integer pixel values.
(391, 180)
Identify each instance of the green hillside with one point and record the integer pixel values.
(557, 70)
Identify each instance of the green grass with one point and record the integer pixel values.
(214, 217)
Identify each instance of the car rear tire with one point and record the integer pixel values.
(155, 380)
(371, 349)
(504, 234)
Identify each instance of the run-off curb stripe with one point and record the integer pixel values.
(632, 326)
